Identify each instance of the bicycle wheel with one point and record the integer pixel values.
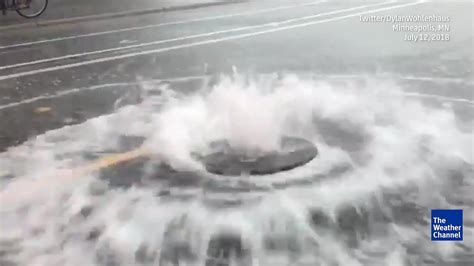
(30, 8)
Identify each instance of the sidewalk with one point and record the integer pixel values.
(69, 11)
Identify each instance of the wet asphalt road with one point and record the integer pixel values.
(64, 74)
(66, 9)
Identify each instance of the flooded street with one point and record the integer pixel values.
(107, 153)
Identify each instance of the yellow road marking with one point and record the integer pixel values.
(24, 189)
(112, 160)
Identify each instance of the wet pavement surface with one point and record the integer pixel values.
(67, 9)
(392, 120)
(80, 76)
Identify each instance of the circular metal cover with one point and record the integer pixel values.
(228, 161)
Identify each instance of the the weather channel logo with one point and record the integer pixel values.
(446, 225)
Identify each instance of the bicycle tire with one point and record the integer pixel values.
(24, 14)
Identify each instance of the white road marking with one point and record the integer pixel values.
(180, 79)
(270, 24)
(162, 25)
(439, 98)
(96, 87)
(60, 94)
(438, 79)
(200, 43)
(398, 77)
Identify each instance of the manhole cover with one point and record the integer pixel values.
(228, 161)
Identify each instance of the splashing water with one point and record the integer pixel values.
(385, 161)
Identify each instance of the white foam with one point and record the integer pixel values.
(406, 146)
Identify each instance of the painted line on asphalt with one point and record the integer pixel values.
(208, 34)
(439, 98)
(161, 25)
(24, 189)
(96, 87)
(200, 43)
(398, 77)
(438, 79)
(181, 79)
(60, 94)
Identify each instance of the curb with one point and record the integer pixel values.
(52, 22)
